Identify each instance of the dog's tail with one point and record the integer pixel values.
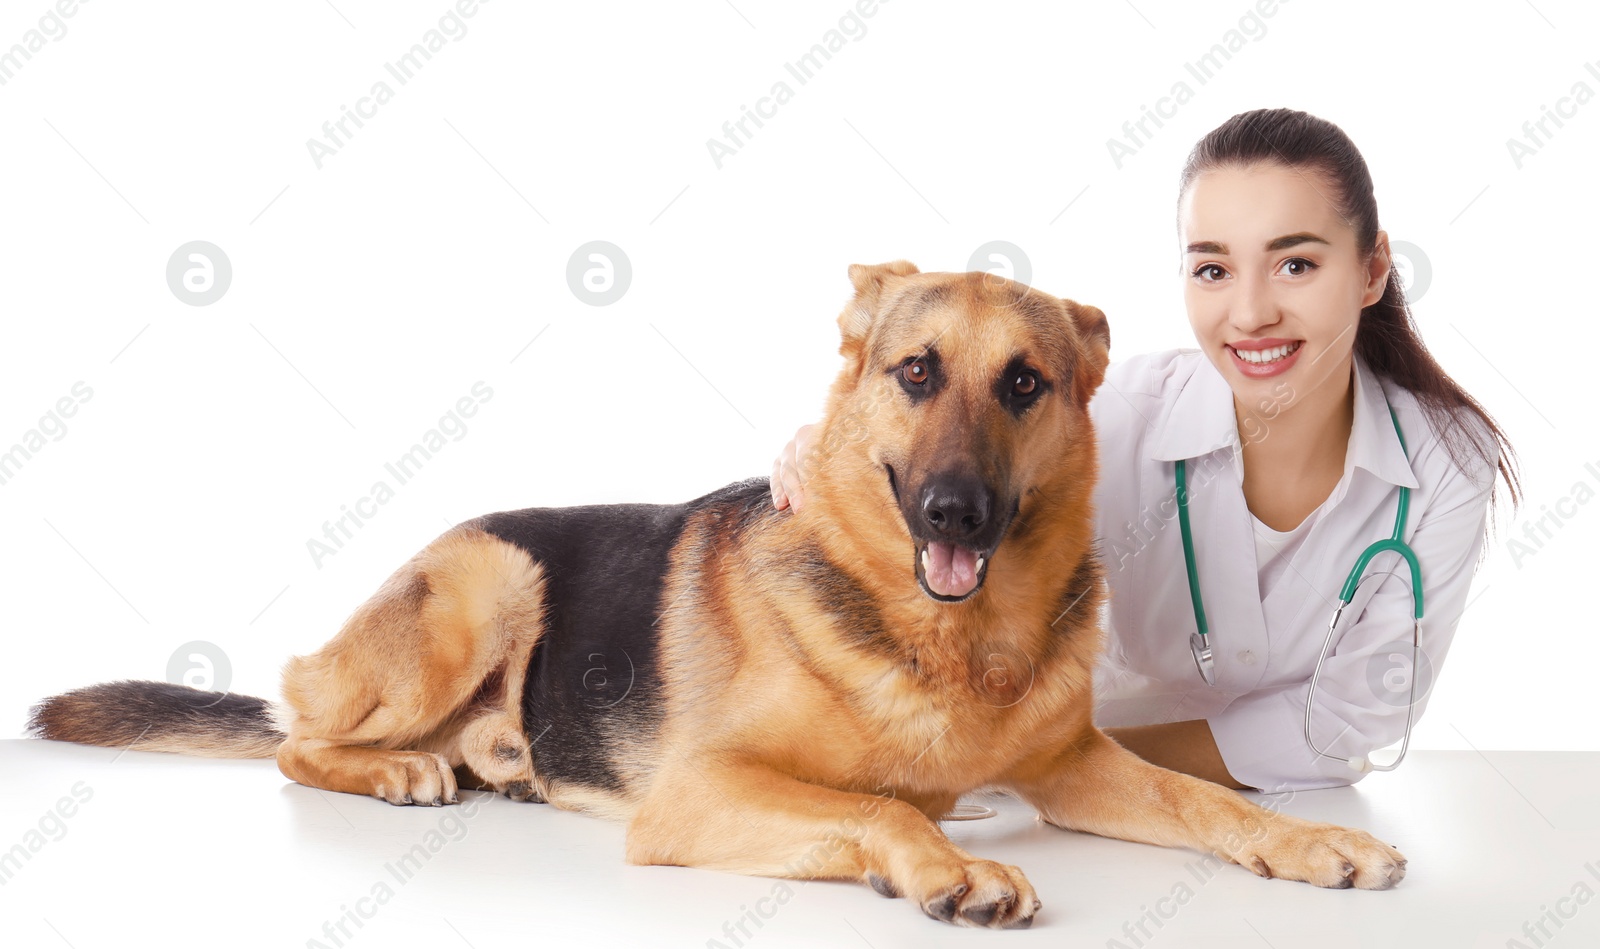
(160, 716)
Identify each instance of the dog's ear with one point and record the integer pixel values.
(859, 314)
(1095, 335)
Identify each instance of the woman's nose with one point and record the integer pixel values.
(1252, 307)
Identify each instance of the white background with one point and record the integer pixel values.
(368, 296)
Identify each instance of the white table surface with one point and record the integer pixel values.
(175, 851)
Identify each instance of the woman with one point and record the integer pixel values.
(1281, 420)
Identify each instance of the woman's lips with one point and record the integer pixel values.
(1266, 357)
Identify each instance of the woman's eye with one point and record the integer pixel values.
(1026, 383)
(915, 372)
(1305, 266)
(1209, 273)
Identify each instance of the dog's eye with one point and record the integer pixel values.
(915, 372)
(1025, 384)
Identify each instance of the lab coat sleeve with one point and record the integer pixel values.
(1364, 687)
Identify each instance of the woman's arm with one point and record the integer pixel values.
(1177, 746)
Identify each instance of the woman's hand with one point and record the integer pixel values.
(787, 467)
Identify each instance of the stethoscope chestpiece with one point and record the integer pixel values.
(1202, 658)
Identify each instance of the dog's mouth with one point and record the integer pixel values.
(949, 572)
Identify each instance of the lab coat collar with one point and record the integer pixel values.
(1200, 420)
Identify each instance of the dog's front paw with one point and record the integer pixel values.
(1328, 855)
(979, 893)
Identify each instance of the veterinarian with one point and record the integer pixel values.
(1281, 425)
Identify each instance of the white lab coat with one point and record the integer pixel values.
(1155, 408)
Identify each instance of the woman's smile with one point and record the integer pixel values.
(1260, 358)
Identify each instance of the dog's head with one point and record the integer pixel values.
(963, 401)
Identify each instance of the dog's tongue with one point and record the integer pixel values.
(951, 570)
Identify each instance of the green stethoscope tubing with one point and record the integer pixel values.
(1200, 643)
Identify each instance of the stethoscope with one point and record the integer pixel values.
(1200, 641)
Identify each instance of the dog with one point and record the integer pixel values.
(792, 694)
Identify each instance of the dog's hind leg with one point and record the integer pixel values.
(496, 753)
(424, 676)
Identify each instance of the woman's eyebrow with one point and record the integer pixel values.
(1290, 240)
(1277, 243)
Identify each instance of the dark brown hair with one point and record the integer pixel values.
(1386, 336)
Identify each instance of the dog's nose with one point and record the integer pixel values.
(955, 506)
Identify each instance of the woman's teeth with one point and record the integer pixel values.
(1266, 355)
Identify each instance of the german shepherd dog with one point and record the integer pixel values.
(799, 695)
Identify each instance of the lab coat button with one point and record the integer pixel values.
(1247, 657)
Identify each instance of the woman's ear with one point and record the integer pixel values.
(1377, 271)
(859, 314)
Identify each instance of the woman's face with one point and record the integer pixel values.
(1273, 282)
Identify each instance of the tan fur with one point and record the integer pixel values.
(424, 676)
(789, 745)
